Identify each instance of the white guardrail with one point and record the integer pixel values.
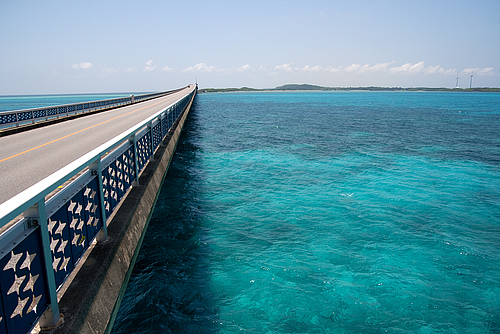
(39, 251)
(18, 117)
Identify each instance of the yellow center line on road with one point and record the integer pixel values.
(74, 133)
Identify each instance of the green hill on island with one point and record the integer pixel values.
(308, 87)
(300, 87)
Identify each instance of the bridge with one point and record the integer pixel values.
(79, 183)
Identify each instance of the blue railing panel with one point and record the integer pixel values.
(23, 284)
(106, 192)
(60, 244)
(126, 164)
(51, 111)
(3, 329)
(24, 116)
(113, 190)
(62, 110)
(39, 113)
(120, 187)
(157, 137)
(164, 126)
(117, 179)
(78, 231)
(143, 150)
(72, 228)
(171, 117)
(128, 167)
(93, 219)
(8, 118)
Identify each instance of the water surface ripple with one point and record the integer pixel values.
(326, 212)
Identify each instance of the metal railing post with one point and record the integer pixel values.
(161, 129)
(51, 315)
(160, 142)
(150, 127)
(133, 140)
(96, 169)
(172, 111)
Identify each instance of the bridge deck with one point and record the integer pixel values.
(28, 157)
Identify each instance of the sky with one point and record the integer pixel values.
(64, 47)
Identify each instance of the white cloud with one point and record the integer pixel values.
(352, 68)
(451, 71)
(201, 67)
(417, 68)
(432, 69)
(82, 66)
(408, 68)
(420, 67)
(308, 68)
(110, 70)
(357, 68)
(438, 70)
(378, 73)
(381, 67)
(243, 68)
(479, 71)
(402, 68)
(399, 69)
(149, 66)
(332, 69)
(284, 67)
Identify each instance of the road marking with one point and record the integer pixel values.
(74, 133)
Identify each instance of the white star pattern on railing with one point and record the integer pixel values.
(14, 258)
(18, 282)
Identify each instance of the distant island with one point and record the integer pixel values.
(302, 87)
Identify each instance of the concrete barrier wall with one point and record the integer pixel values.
(93, 298)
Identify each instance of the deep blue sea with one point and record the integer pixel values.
(326, 212)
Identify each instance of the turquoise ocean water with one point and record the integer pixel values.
(326, 212)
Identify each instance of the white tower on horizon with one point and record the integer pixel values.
(472, 74)
(457, 81)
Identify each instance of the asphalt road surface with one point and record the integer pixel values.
(28, 157)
